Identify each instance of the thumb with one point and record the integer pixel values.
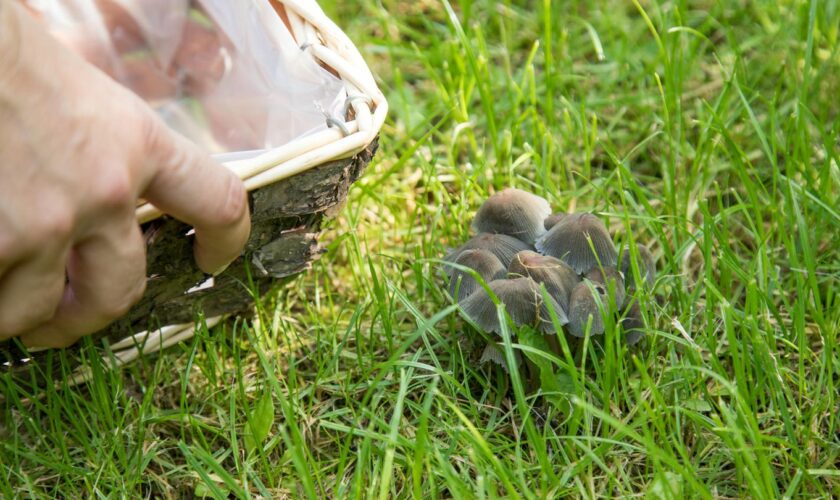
(190, 186)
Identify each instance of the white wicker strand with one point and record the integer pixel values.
(251, 167)
(312, 13)
(345, 147)
(275, 158)
(357, 100)
(147, 342)
(297, 25)
(353, 79)
(347, 71)
(138, 339)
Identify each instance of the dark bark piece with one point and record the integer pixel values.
(286, 219)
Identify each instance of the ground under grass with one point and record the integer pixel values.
(708, 130)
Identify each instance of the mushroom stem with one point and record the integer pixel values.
(554, 344)
(533, 375)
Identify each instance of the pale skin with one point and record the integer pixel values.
(77, 152)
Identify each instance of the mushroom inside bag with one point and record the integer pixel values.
(227, 75)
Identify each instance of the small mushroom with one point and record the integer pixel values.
(513, 212)
(604, 277)
(584, 305)
(633, 323)
(492, 354)
(646, 264)
(523, 301)
(553, 219)
(503, 246)
(569, 240)
(484, 263)
(559, 279)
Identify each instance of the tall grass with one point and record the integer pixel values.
(706, 130)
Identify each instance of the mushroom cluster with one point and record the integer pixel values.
(521, 248)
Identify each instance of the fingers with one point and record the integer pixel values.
(193, 188)
(107, 275)
(30, 292)
(8, 250)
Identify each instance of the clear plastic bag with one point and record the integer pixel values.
(226, 74)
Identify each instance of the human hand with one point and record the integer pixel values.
(77, 151)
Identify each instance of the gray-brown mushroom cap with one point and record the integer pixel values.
(513, 212)
(646, 265)
(523, 301)
(503, 246)
(557, 276)
(611, 279)
(570, 239)
(553, 219)
(583, 306)
(483, 262)
(493, 354)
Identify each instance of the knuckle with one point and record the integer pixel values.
(150, 134)
(178, 163)
(159, 143)
(56, 221)
(17, 323)
(114, 309)
(235, 207)
(11, 327)
(115, 190)
(117, 307)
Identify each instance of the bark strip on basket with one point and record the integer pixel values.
(286, 219)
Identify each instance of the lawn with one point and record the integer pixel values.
(707, 130)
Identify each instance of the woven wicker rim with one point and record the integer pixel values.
(327, 43)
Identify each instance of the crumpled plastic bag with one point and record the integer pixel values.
(225, 73)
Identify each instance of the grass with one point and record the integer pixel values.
(708, 130)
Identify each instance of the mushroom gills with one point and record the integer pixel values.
(484, 263)
(584, 305)
(611, 279)
(503, 246)
(557, 276)
(569, 241)
(492, 354)
(523, 302)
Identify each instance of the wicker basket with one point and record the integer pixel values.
(293, 189)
